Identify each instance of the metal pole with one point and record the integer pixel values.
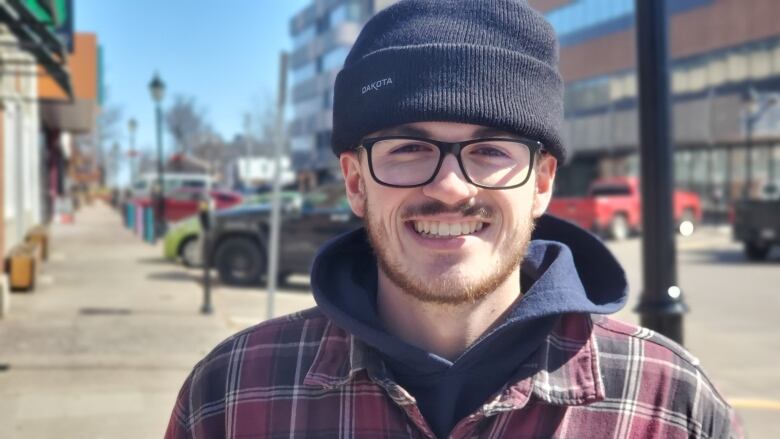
(273, 251)
(160, 176)
(205, 226)
(748, 156)
(661, 306)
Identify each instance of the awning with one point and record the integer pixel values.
(36, 38)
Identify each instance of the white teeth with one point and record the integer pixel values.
(435, 228)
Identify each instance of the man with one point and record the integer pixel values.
(442, 317)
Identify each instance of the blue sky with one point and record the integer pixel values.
(223, 53)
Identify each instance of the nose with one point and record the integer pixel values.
(450, 186)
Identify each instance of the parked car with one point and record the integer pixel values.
(757, 222)
(184, 202)
(142, 187)
(241, 235)
(182, 242)
(613, 208)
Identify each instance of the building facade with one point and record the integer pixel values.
(322, 35)
(725, 65)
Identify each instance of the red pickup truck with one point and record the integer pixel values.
(613, 208)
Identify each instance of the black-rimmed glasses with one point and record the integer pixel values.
(490, 163)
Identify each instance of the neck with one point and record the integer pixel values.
(446, 330)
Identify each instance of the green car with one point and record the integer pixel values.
(182, 241)
(183, 238)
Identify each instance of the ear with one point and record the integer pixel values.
(353, 181)
(545, 177)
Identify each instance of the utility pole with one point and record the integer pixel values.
(661, 304)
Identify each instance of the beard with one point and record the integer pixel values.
(447, 285)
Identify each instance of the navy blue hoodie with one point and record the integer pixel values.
(565, 270)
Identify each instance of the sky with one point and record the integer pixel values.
(225, 54)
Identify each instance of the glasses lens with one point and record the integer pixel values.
(404, 162)
(497, 164)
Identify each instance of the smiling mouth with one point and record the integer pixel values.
(438, 229)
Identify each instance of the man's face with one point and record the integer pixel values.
(406, 225)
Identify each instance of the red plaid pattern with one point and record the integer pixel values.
(301, 376)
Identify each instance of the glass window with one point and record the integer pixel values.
(303, 73)
(334, 59)
(680, 80)
(306, 108)
(737, 66)
(760, 63)
(776, 59)
(304, 37)
(716, 71)
(326, 197)
(774, 164)
(323, 24)
(697, 77)
(350, 10)
(302, 143)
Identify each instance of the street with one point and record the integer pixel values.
(100, 349)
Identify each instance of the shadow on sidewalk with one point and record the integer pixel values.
(174, 275)
(154, 261)
(731, 257)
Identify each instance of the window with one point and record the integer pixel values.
(302, 143)
(327, 197)
(760, 63)
(350, 10)
(334, 58)
(323, 24)
(306, 108)
(327, 98)
(737, 66)
(304, 73)
(304, 37)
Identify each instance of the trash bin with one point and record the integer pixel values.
(149, 224)
(130, 215)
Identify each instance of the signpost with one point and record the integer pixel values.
(273, 247)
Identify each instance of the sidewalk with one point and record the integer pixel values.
(102, 346)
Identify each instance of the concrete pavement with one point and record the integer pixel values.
(100, 349)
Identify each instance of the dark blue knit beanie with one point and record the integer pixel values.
(484, 62)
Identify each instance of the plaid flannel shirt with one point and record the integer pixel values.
(301, 376)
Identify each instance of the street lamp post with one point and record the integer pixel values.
(157, 89)
(132, 126)
(661, 304)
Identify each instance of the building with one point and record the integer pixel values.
(322, 35)
(720, 50)
(29, 49)
(68, 125)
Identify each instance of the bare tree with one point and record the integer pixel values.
(260, 126)
(186, 123)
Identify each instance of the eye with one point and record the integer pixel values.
(488, 150)
(411, 147)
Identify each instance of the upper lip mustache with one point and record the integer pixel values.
(449, 219)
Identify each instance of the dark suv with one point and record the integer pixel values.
(240, 236)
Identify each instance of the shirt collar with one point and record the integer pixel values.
(566, 368)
